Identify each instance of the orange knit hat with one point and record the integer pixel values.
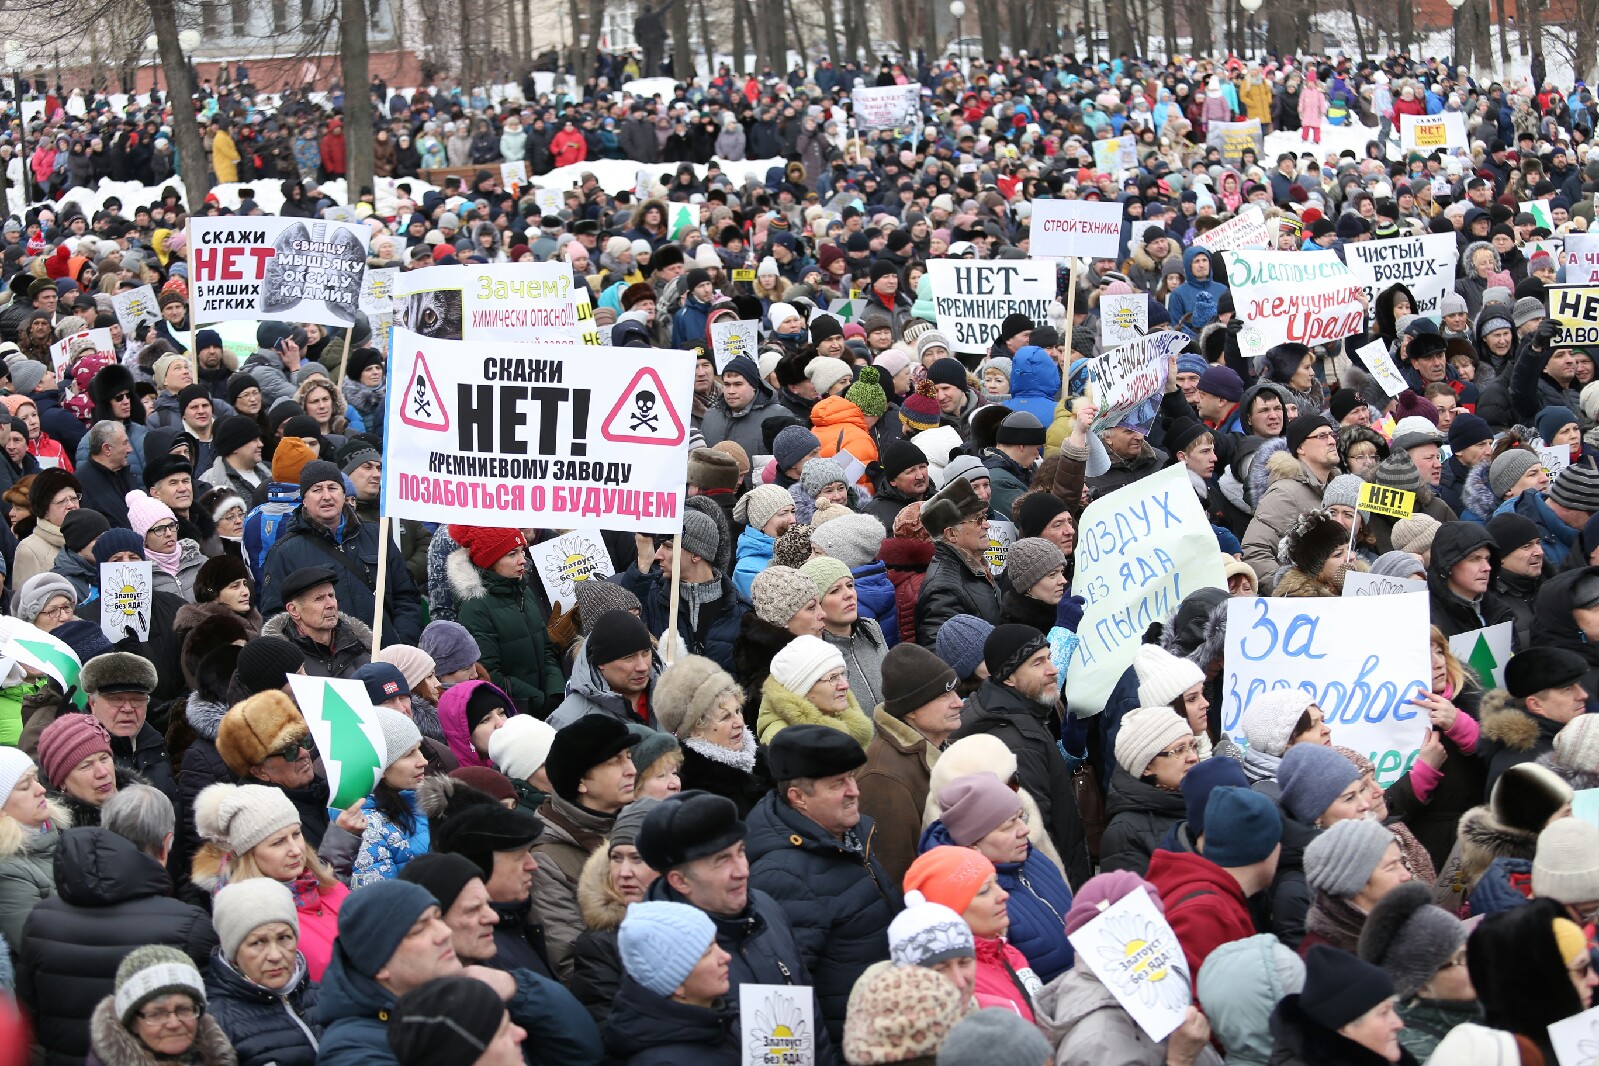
(949, 875)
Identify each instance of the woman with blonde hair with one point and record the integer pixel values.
(614, 877)
(30, 828)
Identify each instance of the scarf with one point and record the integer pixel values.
(1259, 766)
(307, 891)
(696, 595)
(167, 561)
(364, 398)
(740, 760)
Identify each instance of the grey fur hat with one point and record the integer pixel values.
(1410, 937)
(118, 671)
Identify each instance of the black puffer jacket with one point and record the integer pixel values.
(1030, 732)
(952, 587)
(264, 1027)
(1552, 620)
(1140, 816)
(110, 898)
(838, 901)
(1452, 543)
(648, 1029)
(1299, 1041)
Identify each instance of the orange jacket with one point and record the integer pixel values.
(841, 426)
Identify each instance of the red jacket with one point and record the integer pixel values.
(1204, 905)
(1003, 977)
(569, 147)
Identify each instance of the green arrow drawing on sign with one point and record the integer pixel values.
(58, 664)
(350, 748)
(1483, 662)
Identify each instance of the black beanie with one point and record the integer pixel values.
(1340, 987)
(449, 1019)
(265, 663)
(1034, 511)
(1008, 646)
(443, 873)
(82, 527)
(1300, 429)
(482, 702)
(617, 634)
(900, 456)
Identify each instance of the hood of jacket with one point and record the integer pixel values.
(349, 629)
(96, 868)
(779, 706)
(602, 912)
(1551, 612)
(1506, 721)
(833, 412)
(1192, 252)
(203, 715)
(905, 553)
(1034, 373)
(347, 994)
(1241, 983)
(1199, 629)
(641, 1020)
(114, 1045)
(452, 719)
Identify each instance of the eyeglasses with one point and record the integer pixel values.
(185, 1013)
(161, 529)
(1323, 435)
(1180, 751)
(60, 610)
(291, 751)
(75, 499)
(833, 678)
(123, 700)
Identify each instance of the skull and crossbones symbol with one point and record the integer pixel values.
(424, 406)
(644, 416)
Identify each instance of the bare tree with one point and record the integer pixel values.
(355, 67)
(180, 87)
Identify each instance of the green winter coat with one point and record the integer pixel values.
(510, 633)
(11, 717)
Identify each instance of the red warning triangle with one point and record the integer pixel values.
(423, 407)
(644, 414)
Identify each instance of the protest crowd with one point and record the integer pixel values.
(1135, 597)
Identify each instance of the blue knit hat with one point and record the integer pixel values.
(1241, 826)
(960, 643)
(374, 921)
(662, 942)
(1204, 779)
(1311, 777)
(117, 539)
(1191, 363)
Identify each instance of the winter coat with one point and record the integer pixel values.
(905, 561)
(109, 898)
(885, 507)
(1298, 1041)
(1089, 1027)
(717, 626)
(953, 586)
(1032, 733)
(1240, 989)
(386, 845)
(351, 648)
(27, 861)
(864, 651)
(35, 553)
(1511, 735)
(1312, 105)
(352, 555)
(1007, 479)
(875, 600)
(1452, 543)
(742, 427)
(1124, 472)
(571, 835)
(354, 1011)
(649, 1029)
(841, 427)
(1195, 298)
(265, 1026)
(838, 899)
(713, 769)
(1463, 786)
(1205, 906)
(781, 708)
(589, 693)
(1138, 816)
(894, 785)
(1553, 622)
(1292, 491)
(754, 554)
(511, 634)
(112, 1044)
(596, 959)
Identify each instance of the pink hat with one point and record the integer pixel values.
(69, 740)
(1100, 892)
(892, 362)
(145, 511)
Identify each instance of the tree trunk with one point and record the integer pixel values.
(706, 39)
(1168, 25)
(830, 30)
(354, 67)
(902, 25)
(799, 33)
(989, 26)
(1118, 30)
(1504, 35)
(739, 45)
(513, 40)
(180, 87)
(591, 40)
(682, 46)
(1199, 29)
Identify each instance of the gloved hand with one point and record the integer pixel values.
(1070, 612)
(1235, 324)
(1546, 334)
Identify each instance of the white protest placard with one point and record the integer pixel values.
(1357, 584)
(557, 436)
(1425, 265)
(341, 213)
(513, 174)
(643, 182)
(1076, 227)
(344, 725)
(279, 269)
(886, 107)
(133, 307)
(1381, 364)
(1140, 550)
(731, 338)
(126, 594)
(1116, 154)
(1576, 1039)
(1246, 229)
(1582, 258)
(777, 1025)
(103, 345)
(1001, 535)
(1129, 380)
(1310, 298)
(565, 560)
(1485, 651)
(1540, 212)
(1555, 459)
(1234, 138)
(1364, 687)
(1429, 133)
(1135, 954)
(549, 201)
(530, 303)
(377, 290)
(972, 297)
(1123, 318)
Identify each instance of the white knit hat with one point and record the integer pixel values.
(1470, 1044)
(1576, 745)
(400, 735)
(1566, 864)
(927, 933)
(1162, 676)
(779, 312)
(803, 661)
(824, 371)
(238, 817)
(1145, 733)
(243, 906)
(13, 764)
(1270, 718)
(520, 746)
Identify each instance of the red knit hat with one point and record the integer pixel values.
(485, 545)
(920, 409)
(69, 740)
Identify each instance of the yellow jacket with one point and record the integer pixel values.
(224, 158)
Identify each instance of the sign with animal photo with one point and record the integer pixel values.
(529, 303)
(1324, 647)
(565, 560)
(126, 596)
(133, 307)
(777, 1025)
(279, 269)
(555, 436)
(1134, 953)
(1307, 298)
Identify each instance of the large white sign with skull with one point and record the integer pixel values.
(560, 436)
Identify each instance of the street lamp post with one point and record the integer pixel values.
(1250, 7)
(188, 42)
(958, 9)
(1454, 28)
